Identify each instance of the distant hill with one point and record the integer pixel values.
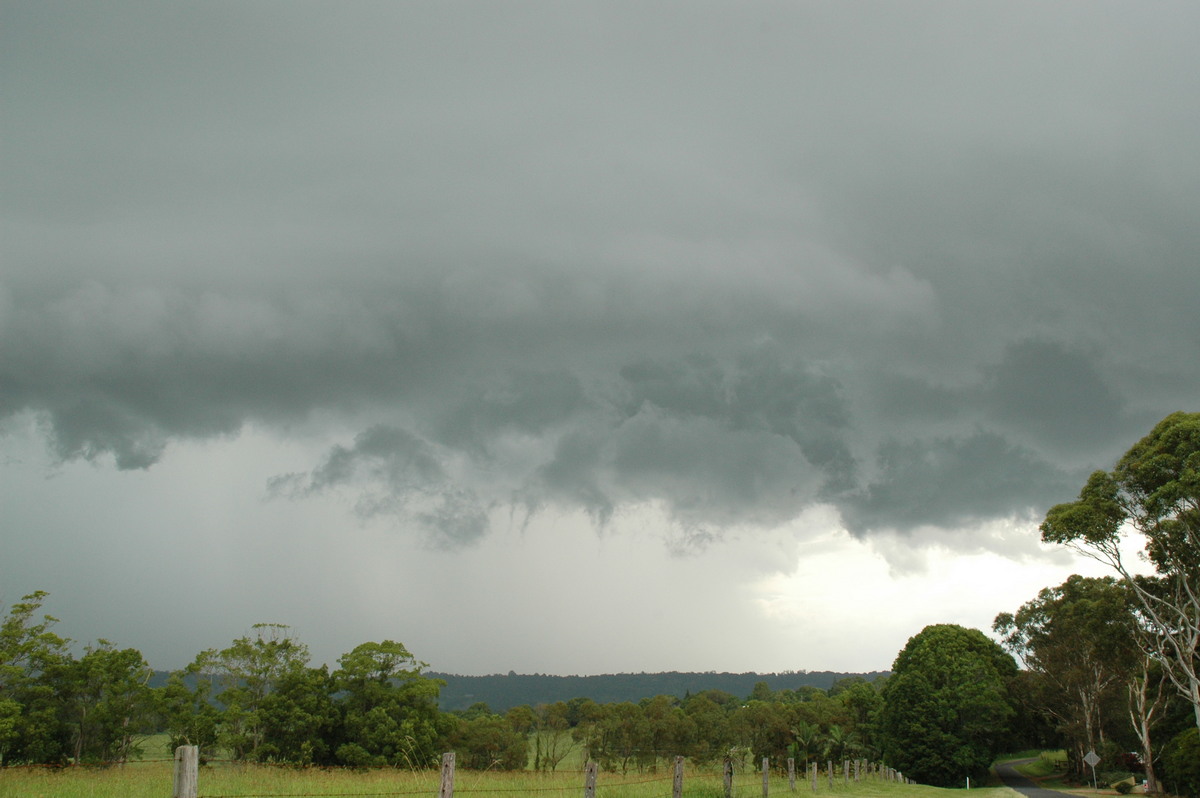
(502, 692)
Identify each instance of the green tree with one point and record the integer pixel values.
(489, 742)
(1146, 704)
(1154, 491)
(1078, 641)
(669, 729)
(300, 720)
(111, 706)
(620, 734)
(389, 709)
(33, 663)
(947, 706)
(862, 702)
(247, 672)
(188, 713)
(765, 728)
(807, 742)
(1181, 764)
(552, 735)
(709, 714)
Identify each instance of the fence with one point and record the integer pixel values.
(187, 782)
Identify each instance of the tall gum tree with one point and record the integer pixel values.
(1153, 492)
(1078, 644)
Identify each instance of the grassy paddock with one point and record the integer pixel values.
(153, 780)
(1048, 763)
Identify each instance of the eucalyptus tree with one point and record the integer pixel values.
(1079, 642)
(488, 742)
(246, 673)
(1153, 492)
(709, 714)
(552, 735)
(1147, 704)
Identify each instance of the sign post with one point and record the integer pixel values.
(1092, 760)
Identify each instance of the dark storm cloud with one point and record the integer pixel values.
(749, 442)
(1054, 395)
(924, 264)
(394, 473)
(951, 482)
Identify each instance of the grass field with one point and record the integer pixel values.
(153, 779)
(1047, 765)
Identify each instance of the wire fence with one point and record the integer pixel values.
(683, 782)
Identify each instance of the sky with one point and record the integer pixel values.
(580, 337)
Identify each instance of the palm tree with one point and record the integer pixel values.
(806, 738)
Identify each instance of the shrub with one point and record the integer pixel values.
(1180, 769)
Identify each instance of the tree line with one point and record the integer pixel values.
(1107, 665)
(261, 700)
(504, 691)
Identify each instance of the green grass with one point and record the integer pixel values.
(154, 779)
(1047, 764)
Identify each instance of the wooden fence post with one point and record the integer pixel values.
(677, 783)
(728, 777)
(187, 766)
(829, 771)
(791, 774)
(589, 780)
(766, 777)
(447, 787)
(845, 771)
(812, 768)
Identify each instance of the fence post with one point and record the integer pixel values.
(187, 765)
(447, 788)
(766, 776)
(589, 780)
(845, 771)
(728, 777)
(829, 771)
(791, 774)
(677, 784)
(812, 768)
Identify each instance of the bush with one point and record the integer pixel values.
(1124, 787)
(1180, 769)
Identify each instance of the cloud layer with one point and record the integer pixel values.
(925, 265)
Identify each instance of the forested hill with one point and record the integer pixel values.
(501, 692)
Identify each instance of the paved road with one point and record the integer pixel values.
(1011, 778)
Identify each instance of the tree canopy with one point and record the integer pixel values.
(1154, 492)
(947, 706)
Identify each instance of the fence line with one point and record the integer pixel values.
(186, 779)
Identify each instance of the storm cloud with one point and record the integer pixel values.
(727, 266)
